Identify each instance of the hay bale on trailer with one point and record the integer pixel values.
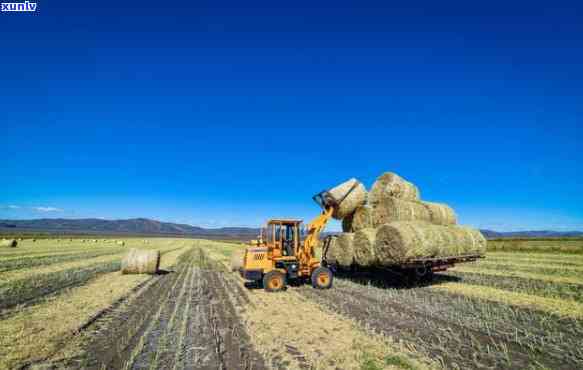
(351, 194)
(399, 242)
(347, 223)
(390, 184)
(237, 259)
(140, 262)
(390, 209)
(10, 243)
(364, 241)
(344, 249)
(440, 214)
(362, 218)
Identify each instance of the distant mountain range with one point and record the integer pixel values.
(134, 226)
(144, 226)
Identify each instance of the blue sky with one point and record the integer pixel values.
(228, 113)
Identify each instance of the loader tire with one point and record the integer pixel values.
(322, 278)
(274, 281)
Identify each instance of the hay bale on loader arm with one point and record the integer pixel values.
(10, 243)
(351, 194)
(141, 262)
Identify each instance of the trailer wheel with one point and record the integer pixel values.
(274, 281)
(322, 278)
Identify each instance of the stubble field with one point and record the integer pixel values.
(64, 304)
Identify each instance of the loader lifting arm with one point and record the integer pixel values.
(315, 227)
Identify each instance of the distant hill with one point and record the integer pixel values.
(134, 226)
(144, 226)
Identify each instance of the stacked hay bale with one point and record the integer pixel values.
(394, 226)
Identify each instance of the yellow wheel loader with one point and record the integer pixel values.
(284, 255)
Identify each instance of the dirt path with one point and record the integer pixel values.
(183, 320)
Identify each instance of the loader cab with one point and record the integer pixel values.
(283, 237)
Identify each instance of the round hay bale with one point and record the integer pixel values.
(347, 223)
(34, 240)
(390, 184)
(330, 253)
(120, 242)
(140, 262)
(237, 259)
(364, 240)
(398, 242)
(10, 243)
(440, 214)
(344, 249)
(362, 218)
(390, 209)
(348, 201)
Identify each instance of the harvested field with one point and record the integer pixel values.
(495, 313)
(476, 315)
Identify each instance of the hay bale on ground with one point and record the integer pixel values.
(140, 262)
(390, 184)
(364, 240)
(398, 242)
(362, 218)
(347, 223)
(344, 249)
(348, 203)
(237, 259)
(390, 209)
(440, 214)
(122, 243)
(10, 243)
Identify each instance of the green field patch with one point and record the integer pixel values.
(571, 246)
(549, 259)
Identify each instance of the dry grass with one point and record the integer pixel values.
(522, 274)
(559, 307)
(320, 339)
(36, 332)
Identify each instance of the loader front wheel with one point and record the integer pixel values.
(322, 278)
(274, 281)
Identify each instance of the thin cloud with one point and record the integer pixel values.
(13, 207)
(47, 209)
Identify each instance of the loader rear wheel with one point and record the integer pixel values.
(322, 278)
(274, 281)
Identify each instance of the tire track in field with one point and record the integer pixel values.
(435, 325)
(183, 321)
